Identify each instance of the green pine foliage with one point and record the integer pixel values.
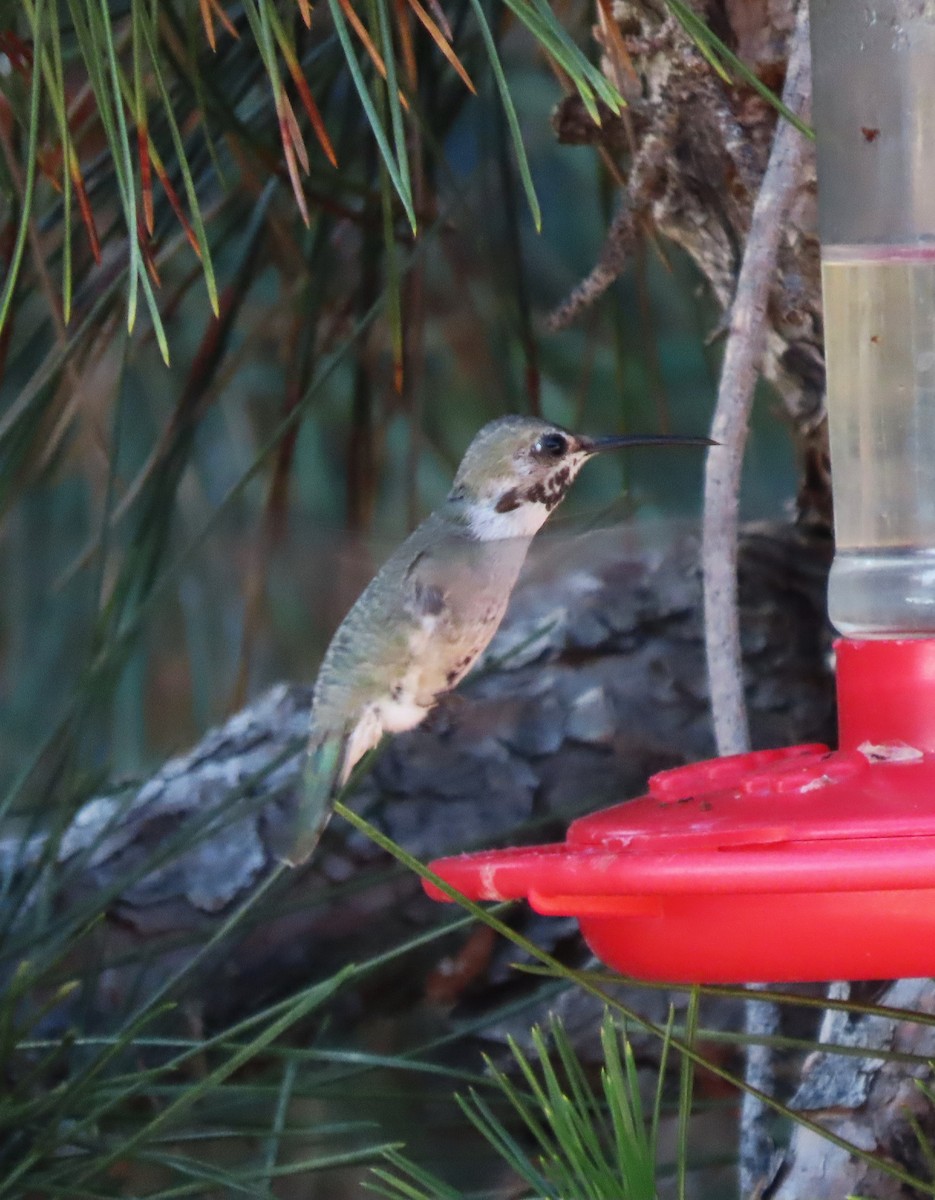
(573, 1140)
(174, 90)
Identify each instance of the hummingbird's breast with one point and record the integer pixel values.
(417, 629)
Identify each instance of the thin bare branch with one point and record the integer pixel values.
(746, 342)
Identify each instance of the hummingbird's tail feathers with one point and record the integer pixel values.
(322, 779)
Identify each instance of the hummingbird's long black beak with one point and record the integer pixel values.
(599, 445)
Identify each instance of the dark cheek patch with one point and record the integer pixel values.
(509, 501)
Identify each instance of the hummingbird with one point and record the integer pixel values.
(432, 609)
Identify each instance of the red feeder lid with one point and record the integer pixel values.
(793, 864)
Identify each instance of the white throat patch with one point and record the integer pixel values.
(524, 521)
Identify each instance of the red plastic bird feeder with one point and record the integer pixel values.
(805, 863)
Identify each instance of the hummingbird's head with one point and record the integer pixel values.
(517, 469)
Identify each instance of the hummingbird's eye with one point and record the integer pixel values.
(551, 445)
